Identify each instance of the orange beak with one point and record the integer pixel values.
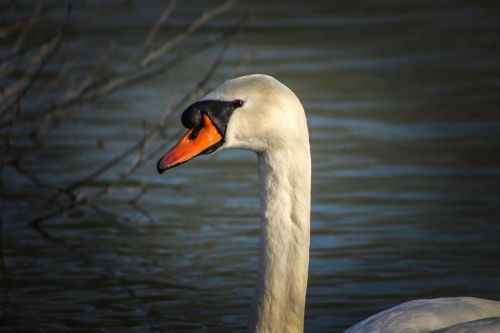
(192, 144)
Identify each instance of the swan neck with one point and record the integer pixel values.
(279, 299)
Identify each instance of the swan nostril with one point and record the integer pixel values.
(195, 132)
(191, 118)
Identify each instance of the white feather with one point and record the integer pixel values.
(427, 315)
(272, 123)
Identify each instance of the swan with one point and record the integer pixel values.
(260, 114)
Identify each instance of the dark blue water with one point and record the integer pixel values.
(402, 100)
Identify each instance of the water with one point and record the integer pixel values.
(402, 103)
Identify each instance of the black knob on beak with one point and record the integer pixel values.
(191, 117)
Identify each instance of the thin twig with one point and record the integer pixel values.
(101, 211)
(23, 50)
(14, 27)
(103, 87)
(193, 27)
(88, 79)
(156, 27)
(37, 12)
(159, 128)
(138, 196)
(16, 163)
(34, 65)
(142, 211)
(46, 58)
(146, 137)
(37, 222)
(65, 68)
(8, 133)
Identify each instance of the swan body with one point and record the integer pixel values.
(258, 113)
(448, 315)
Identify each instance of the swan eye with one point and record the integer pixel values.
(237, 103)
(191, 118)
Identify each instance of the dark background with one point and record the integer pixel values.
(402, 99)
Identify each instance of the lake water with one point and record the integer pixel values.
(403, 106)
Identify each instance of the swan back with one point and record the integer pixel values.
(426, 315)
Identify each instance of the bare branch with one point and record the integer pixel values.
(89, 78)
(94, 85)
(36, 222)
(13, 27)
(161, 20)
(34, 66)
(16, 163)
(37, 12)
(23, 50)
(105, 86)
(202, 20)
(16, 26)
(45, 59)
(58, 79)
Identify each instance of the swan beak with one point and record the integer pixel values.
(195, 142)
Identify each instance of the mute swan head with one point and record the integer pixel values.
(260, 114)
(254, 112)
